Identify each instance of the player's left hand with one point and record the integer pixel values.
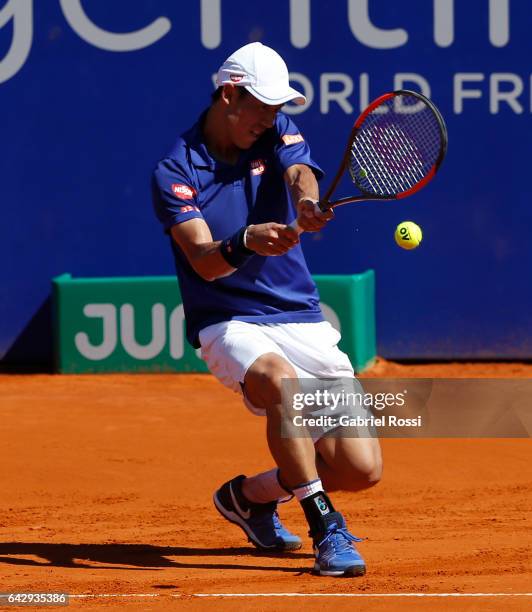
(309, 217)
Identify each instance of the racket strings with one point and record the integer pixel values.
(397, 145)
(385, 174)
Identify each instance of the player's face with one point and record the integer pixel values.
(248, 118)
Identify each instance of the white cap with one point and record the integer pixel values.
(262, 71)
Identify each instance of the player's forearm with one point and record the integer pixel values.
(208, 262)
(215, 259)
(302, 183)
(305, 193)
(203, 253)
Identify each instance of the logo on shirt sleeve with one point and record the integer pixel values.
(183, 192)
(185, 209)
(258, 166)
(290, 139)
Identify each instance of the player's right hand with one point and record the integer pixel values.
(309, 217)
(271, 238)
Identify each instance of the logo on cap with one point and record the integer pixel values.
(236, 78)
(258, 166)
(183, 192)
(290, 139)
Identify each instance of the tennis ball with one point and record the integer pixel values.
(408, 235)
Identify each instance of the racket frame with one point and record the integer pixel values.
(325, 202)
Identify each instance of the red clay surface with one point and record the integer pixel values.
(106, 489)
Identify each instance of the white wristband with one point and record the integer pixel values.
(245, 236)
(308, 199)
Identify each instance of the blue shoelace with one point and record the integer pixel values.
(339, 543)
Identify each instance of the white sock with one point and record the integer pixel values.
(306, 489)
(264, 487)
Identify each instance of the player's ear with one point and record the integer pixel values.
(229, 94)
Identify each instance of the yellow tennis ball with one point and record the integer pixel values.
(408, 235)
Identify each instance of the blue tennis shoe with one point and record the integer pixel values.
(336, 555)
(260, 522)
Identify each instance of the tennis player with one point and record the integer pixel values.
(225, 194)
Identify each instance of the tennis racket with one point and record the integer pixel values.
(394, 149)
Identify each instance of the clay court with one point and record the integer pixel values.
(107, 484)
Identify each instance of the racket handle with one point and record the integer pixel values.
(318, 207)
(295, 226)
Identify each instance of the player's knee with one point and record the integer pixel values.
(364, 474)
(263, 383)
(373, 473)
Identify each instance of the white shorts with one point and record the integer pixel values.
(231, 347)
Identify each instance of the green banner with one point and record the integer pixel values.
(136, 324)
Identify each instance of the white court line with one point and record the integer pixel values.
(362, 594)
(102, 595)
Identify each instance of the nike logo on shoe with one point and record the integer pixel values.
(244, 514)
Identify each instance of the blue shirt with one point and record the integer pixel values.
(190, 184)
